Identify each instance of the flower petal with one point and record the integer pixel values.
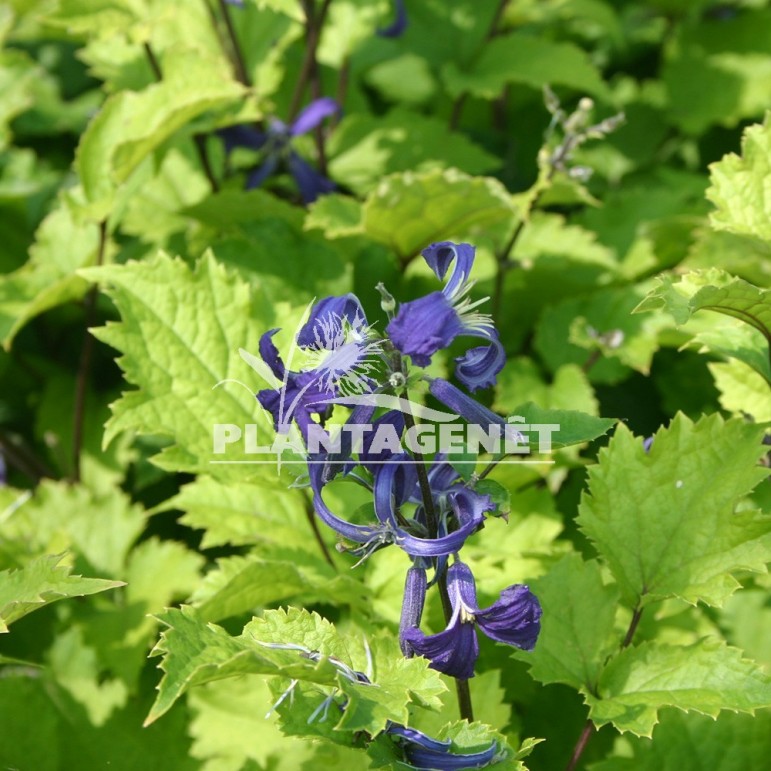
(424, 326)
(467, 407)
(262, 172)
(399, 24)
(414, 736)
(242, 135)
(442, 254)
(310, 182)
(412, 605)
(453, 651)
(313, 114)
(356, 533)
(328, 313)
(514, 619)
(270, 354)
(479, 367)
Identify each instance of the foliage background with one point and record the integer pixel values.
(102, 185)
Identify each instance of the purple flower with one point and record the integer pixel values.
(513, 619)
(337, 344)
(426, 325)
(275, 144)
(301, 395)
(421, 751)
(399, 24)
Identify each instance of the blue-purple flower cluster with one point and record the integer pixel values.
(446, 514)
(421, 505)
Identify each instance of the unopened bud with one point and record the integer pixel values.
(387, 302)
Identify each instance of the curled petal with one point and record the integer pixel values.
(424, 326)
(412, 605)
(310, 182)
(421, 757)
(313, 114)
(395, 484)
(414, 736)
(270, 354)
(327, 314)
(479, 367)
(442, 254)
(469, 506)
(514, 619)
(356, 533)
(399, 24)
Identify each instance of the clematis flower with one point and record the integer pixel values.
(399, 24)
(513, 619)
(337, 347)
(275, 144)
(426, 325)
(421, 751)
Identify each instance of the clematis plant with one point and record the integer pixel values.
(421, 505)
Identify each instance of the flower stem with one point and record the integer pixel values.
(588, 729)
(239, 63)
(492, 31)
(465, 707)
(308, 69)
(311, 516)
(199, 140)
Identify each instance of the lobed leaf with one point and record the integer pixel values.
(665, 520)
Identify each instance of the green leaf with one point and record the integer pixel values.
(17, 74)
(706, 677)
(100, 527)
(246, 513)
(520, 380)
(717, 72)
(600, 328)
(577, 627)
(196, 653)
(516, 550)
(132, 124)
(411, 210)
(229, 725)
(366, 148)
(177, 347)
(739, 186)
(742, 390)
(42, 582)
(337, 215)
(665, 520)
(48, 279)
(692, 742)
(713, 290)
(522, 58)
(566, 427)
(241, 584)
(292, 8)
(406, 78)
(733, 339)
